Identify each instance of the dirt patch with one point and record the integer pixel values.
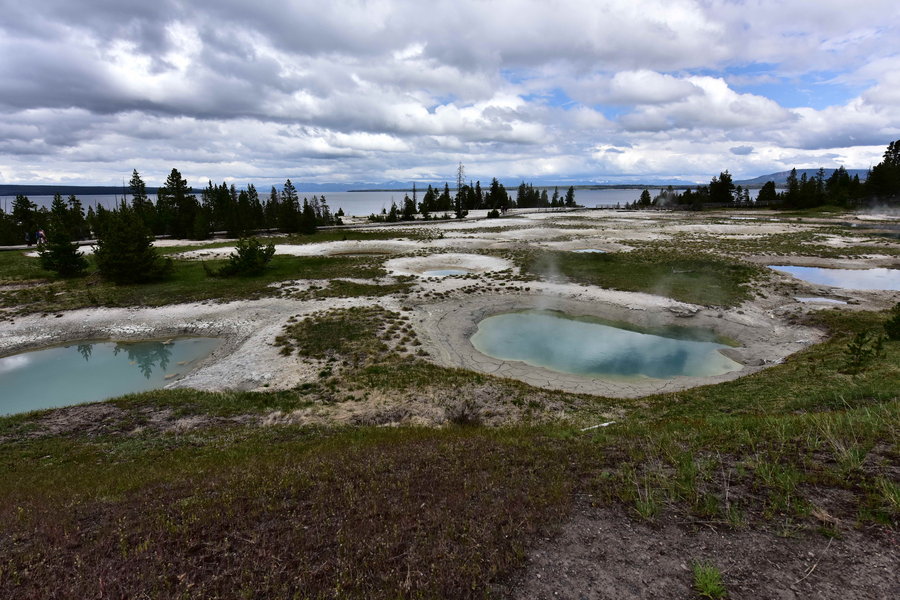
(103, 418)
(602, 553)
(475, 404)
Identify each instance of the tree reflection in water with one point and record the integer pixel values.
(146, 355)
(85, 351)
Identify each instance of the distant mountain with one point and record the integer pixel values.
(781, 177)
(65, 190)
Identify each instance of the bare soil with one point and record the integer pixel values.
(603, 553)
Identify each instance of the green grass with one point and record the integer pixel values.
(16, 267)
(189, 282)
(708, 581)
(696, 278)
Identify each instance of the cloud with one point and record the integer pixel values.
(351, 90)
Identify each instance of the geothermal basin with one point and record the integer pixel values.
(91, 371)
(580, 346)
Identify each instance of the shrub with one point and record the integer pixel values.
(61, 255)
(892, 325)
(862, 349)
(250, 257)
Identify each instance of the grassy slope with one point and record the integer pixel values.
(371, 512)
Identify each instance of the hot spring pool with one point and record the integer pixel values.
(444, 272)
(561, 343)
(850, 279)
(93, 371)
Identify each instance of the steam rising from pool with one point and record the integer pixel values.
(560, 343)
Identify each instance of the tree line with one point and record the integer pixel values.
(882, 186)
(439, 203)
(177, 212)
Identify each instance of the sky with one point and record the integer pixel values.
(372, 91)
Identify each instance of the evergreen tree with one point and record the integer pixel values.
(497, 198)
(791, 196)
(140, 202)
(76, 223)
(445, 202)
(24, 213)
(570, 196)
(60, 254)
(272, 210)
(392, 214)
(721, 188)
(645, 199)
(124, 252)
(307, 219)
(409, 209)
(257, 215)
(289, 209)
(180, 205)
(767, 194)
(429, 202)
(90, 220)
(883, 182)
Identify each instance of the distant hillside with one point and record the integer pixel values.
(65, 190)
(781, 177)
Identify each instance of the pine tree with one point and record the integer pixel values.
(60, 254)
(76, 223)
(124, 250)
(139, 200)
(180, 205)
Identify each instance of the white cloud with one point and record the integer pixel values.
(355, 90)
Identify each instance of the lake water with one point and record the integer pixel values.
(561, 343)
(851, 279)
(93, 371)
(365, 203)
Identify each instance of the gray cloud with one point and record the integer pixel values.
(352, 90)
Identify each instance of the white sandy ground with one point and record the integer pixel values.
(473, 263)
(248, 359)
(167, 243)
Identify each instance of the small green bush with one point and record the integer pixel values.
(892, 325)
(62, 256)
(862, 349)
(250, 257)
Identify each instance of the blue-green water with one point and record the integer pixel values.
(590, 251)
(445, 272)
(93, 371)
(560, 343)
(850, 279)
